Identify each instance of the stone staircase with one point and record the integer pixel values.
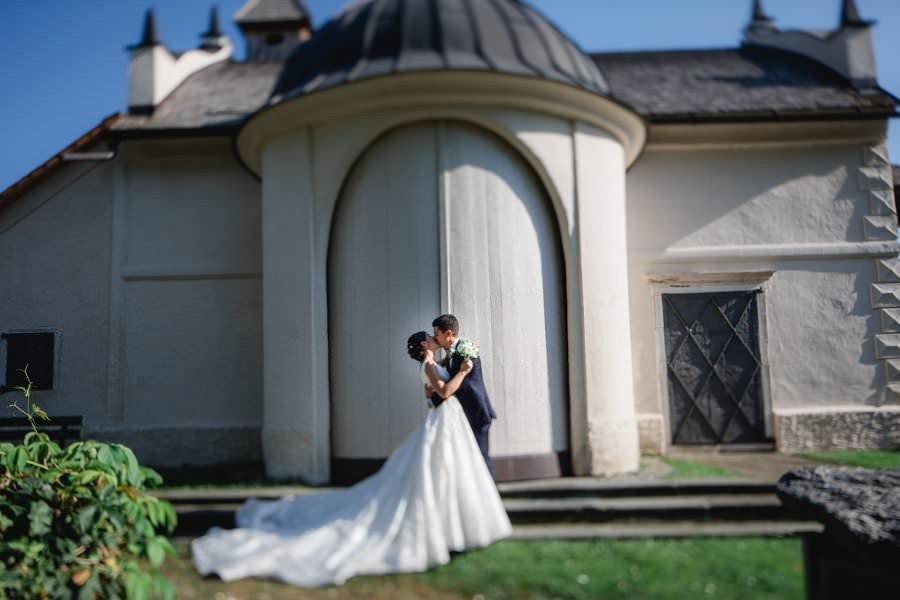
(572, 508)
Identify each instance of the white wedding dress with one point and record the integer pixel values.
(432, 496)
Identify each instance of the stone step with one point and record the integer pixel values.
(731, 506)
(594, 487)
(665, 529)
(548, 488)
(198, 517)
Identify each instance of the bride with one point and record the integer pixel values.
(434, 495)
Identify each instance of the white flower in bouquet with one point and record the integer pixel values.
(466, 350)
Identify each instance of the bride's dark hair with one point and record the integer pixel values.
(414, 345)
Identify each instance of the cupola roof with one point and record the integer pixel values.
(373, 38)
(261, 12)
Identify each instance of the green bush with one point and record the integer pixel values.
(76, 522)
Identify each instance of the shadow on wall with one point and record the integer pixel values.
(744, 196)
(814, 333)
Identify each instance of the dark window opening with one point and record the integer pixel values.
(34, 350)
(273, 39)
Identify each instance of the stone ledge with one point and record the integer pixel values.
(881, 202)
(878, 178)
(888, 270)
(887, 345)
(840, 429)
(875, 156)
(880, 228)
(885, 295)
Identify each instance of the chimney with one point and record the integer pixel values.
(154, 72)
(849, 50)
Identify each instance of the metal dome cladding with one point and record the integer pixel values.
(376, 38)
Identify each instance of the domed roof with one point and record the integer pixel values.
(382, 37)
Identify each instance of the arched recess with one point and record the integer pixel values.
(440, 216)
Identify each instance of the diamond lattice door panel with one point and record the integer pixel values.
(713, 364)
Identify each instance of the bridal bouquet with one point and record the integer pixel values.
(466, 350)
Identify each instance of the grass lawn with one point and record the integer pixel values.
(688, 469)
(734, 568)
(873, 459)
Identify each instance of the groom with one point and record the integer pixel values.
(471, 393)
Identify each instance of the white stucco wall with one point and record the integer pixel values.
(186, 289)
(303, 171)
(54, 269)
(733, 197)
(786, 219)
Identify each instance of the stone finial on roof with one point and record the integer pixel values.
(212, 39)
(148, 38)
(759, 20)
(758, 13)
(850, 16)
(214, 29)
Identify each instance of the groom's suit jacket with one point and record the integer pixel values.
(472, 395)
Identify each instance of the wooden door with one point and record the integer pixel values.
(383, 285)
(506, 286)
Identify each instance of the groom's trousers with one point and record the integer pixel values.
(482, 437)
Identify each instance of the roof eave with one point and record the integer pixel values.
(45, 169)
(771, 116)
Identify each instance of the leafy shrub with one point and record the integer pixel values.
(75, 522)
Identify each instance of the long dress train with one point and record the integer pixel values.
(432, 496)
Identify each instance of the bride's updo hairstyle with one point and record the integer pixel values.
(414, 345)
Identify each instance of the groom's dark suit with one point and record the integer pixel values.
(473, 398)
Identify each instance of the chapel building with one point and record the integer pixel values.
(652, 249)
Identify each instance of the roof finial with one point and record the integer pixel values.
(149, 38)
(759, 20)
(850, 16)
(758, 13)
(214, 30)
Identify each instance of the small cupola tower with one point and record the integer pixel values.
(273, 28)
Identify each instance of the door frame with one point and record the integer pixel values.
(706, 284)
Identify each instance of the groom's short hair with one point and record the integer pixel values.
(447, 323)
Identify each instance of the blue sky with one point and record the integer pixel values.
(64, 64)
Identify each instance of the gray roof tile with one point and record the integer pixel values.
(669, 86)
(739, 83)
(220, 95)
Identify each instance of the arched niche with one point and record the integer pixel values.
(443, 216)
